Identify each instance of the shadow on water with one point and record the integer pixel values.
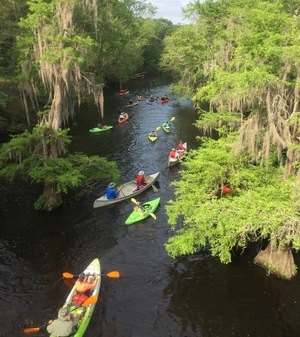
(156, 296)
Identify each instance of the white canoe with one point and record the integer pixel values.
(174, 161)
(127, 190)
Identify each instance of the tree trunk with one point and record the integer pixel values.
(276, 261)
(52, 198)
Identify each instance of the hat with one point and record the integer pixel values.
(141, 173)
(173, 149)
(81, 276)
(64, 313)
(112, 184)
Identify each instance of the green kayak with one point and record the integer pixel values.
(101, 129)
(152, 138)
(149, 207)
(166, 127)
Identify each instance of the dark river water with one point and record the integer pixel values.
(155, 296)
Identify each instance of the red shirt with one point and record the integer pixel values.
(180, 146)
(226, 189)
(173, 154)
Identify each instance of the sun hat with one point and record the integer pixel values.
(112, 184)
(141, 173)
(64, 313)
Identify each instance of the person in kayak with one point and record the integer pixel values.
(64, 325)
(153, 133)
(85, 283)
(101, 126)
(83, 286)
(138, 208)
(166, 125)
(111, 192)
(130, 102)
(140, 179)
(122, 115)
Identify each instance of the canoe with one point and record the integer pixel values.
(149, 207)
(174, 161)
(131, 105)
(168, 130)
(152, 138)
(124, 93)
(108, 127)
(93, 267)
(124, 119)
(127, 190)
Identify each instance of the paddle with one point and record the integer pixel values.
(112, 274)
(87, 302)
(138, 204)
(154, 188)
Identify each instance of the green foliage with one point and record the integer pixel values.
(261, 205)
(29, 155)
(183, 56)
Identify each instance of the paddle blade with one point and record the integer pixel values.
(28, 331)
(133, 200)
(153, 216)
(68, 275)
(158, 128)
(172, 119)
(90, 300)
(154, 188)
(113, 274)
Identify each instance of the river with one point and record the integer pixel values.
(155, 296)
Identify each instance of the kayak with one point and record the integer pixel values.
(152, 138)
(164, 100)
(123, 92)
(93, 268)
(131, 105)
(174, 161)
(165, 128)
(148, 207)
(127, 190)
(124, 119)
(101, 129)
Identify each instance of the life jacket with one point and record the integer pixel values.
(180, 146)
(173, 154)
(83, 287)
(78, 299)
(226, 189)
(140, 180)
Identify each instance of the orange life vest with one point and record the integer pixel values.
(82, 287)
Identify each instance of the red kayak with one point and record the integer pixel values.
(165, 100)
(123, 120)
(123, 92)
